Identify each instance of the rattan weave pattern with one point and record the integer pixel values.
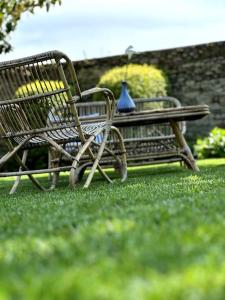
(34, 97)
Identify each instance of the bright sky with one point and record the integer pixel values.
(97, 28)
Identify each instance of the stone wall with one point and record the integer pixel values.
(196, 75)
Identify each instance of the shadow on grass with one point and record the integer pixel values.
(27, 186)
(168, 170)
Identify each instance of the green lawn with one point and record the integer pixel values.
(160, 235)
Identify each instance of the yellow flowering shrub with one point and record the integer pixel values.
(144, 81)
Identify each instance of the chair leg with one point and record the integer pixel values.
(54, 157)
(120, 164)
(18, 178)
(54, 177)
(74, 171)
(96, 164)
(80, 172)
(13, 151)
(31, 177)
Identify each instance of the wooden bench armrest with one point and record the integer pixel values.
(174, 101)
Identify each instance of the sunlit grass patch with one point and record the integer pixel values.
(160, 235)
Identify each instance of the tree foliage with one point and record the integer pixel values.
(10, 14)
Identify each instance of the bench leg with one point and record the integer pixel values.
(184, 146)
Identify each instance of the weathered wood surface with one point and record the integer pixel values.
(187, 113)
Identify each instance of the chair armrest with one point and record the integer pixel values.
(108, 97)
(95, 90)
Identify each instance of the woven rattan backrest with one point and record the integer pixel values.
(34, 93)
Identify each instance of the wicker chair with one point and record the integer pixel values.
(27, 120)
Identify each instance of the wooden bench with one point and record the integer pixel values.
(149, 136)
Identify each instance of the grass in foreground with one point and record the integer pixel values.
(158, 236)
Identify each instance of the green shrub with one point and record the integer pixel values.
(38, 87)
(212, 146)
(144, 81)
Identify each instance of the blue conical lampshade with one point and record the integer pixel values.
(125, 103)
